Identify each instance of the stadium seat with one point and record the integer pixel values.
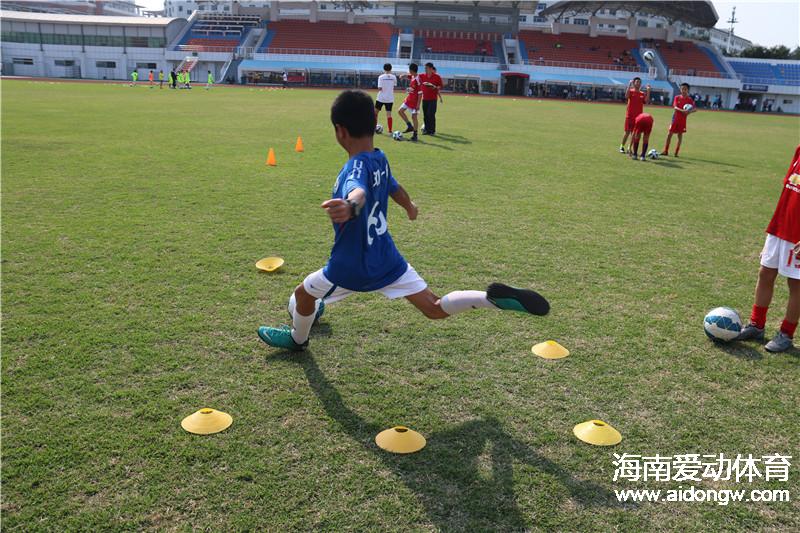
(458, 42)
(217, 33)
(685, 57)
(763, 72)
(302, 36)
(579, 48)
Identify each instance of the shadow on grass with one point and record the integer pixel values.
(671, 164)
(434, 145)
(446, 137)
(740, 350)
(720, 163)
(447, 476)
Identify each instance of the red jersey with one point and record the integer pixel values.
(430, 93)
(635, 102)
(785, 223)
(679, 119)
(412, 100)
(644, 123)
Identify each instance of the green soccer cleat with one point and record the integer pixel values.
(513, 299)
(280, 338)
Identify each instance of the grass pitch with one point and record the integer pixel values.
(132, 219)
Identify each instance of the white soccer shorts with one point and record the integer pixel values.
(318, 286)
(779, 254)
(404, 106)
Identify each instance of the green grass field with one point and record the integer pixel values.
(132, 219)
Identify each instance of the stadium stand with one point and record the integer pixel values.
(765, 72)
(304, 37)
(218, 32)
(578, 48)
(685, 57)
(442, 42)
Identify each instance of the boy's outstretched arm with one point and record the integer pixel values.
(404, 200)
(341, 210)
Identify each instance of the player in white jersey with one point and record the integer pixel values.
(386, 84)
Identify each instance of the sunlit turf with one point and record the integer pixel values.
(132, 219)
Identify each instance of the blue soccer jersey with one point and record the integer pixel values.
(364, 257)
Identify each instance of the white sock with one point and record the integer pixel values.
(301, 325)
(460, 301)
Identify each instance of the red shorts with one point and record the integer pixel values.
(643, 125)
(678, 125)
(629, 124)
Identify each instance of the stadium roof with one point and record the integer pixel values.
(56, 18)
(697, 13)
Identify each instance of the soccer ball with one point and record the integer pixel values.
(397, 136)
(653, 154)
(688, 107)
(649, 56)
(378, 129)
(722, 324)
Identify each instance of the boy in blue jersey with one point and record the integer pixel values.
(364, 257)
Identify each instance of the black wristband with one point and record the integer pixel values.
(355, 209)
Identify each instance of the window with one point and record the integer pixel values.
(492, 20)
(788, 101)
(20, 37)
(580, 22)
(106, 64)
(60, 38)
(65, 62)
(147, 66)
(641, 23)
(539, 19)
(659, 25)
(23, 61)
(540, 6)
(523, 18)
(180, 8)
(227, 8)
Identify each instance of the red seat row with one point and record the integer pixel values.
(580, 48)
(330, 35)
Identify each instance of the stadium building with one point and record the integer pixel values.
(577, 50)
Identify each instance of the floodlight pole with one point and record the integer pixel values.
(732, 21)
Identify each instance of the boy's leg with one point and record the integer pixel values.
(389, 118)
(758, 316)
(624, 140)
(678, 147)
(665, 151)
(783, 340)
(635, 143)
(416, 124)
(497, 296)
(645, 142)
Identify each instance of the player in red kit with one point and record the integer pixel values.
(781, 255)
(411, 102)
(636, 100)
(679, 114)
(642, 127)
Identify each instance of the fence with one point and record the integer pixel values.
(587, 66)
(697, 73)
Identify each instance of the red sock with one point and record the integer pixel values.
(759, 316)
(389, 121)
(788, 327)
(677, 149)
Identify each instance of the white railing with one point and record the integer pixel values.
(324, 52)
(768, 81)
(444, 56)
(697, 73)
(576, 64)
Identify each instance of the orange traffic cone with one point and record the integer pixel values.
(299, 146)
(271, 158)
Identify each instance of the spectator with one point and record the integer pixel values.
(285, 79)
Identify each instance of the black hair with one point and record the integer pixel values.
(412, 67)
(387, 66)
(637, 78)
(429, 65)
(686, 85)
(354, 111)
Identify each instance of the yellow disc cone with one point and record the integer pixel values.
(271, 158)
(400, 439)
(206, 421)
(298, 147)
(550, 350)
(269, 264)
(598, 433)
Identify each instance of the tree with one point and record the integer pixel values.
(774, 52)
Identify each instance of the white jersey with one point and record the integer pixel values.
(386, 84)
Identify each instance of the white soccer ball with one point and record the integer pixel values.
(649, 56)
(722, 324)
(653, 154)
(397, 136)
(378, 129)
(688, 107)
